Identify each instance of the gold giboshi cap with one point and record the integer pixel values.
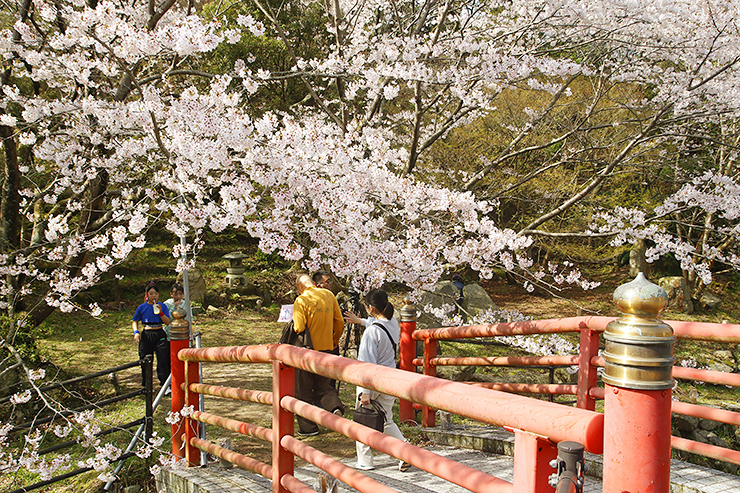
(639, 347)
(179, 326)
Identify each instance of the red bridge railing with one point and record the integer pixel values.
(535, 443)
(588, 362)
(634, 432)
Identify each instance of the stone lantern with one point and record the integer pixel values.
(235, 271)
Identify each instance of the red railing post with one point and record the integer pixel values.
(637, 401)
(407, 354)
(192, 454)
(587, 372)
(430, 352)
(283, 383)
(532, 469)
(179, 339)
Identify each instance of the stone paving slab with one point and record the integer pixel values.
(685, 477)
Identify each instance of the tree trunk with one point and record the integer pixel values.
(637, 258)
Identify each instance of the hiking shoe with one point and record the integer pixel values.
(308, 433)
(404, 466)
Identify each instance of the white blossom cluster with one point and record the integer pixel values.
(715, 196)
(83, 427)
(313, 187)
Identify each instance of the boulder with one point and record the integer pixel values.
(679, 296)
(720, 367)
(445, 293)
(196, 285)
(476, 300)
(724, 356)
(709, 425)
(708, 301)
(685, 423)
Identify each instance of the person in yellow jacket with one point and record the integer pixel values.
(316, 310)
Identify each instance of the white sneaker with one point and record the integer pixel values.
(365, 468)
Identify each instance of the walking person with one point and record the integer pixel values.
(378, 346)
(317, 311)
(148, 324)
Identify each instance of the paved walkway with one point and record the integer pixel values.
(685, 477)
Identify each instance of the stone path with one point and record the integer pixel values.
(685, 478)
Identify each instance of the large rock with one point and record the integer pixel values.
(475, 301)
(679, 296)
(196, 284)
(445, 293)
(708, 301)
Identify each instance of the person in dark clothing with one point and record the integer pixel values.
(148, 324)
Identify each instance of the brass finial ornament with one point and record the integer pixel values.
(408, 312)
(639, 347)
(179, 326)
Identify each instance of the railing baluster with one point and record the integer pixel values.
(430, 352)
(532, 456)
(283, 383)
(587, 374)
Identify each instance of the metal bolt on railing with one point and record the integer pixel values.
(570, 468)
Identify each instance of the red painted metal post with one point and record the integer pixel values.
(638, 382)
(179, 340)
(192, 454)
(532, 456)
(407, 355)
(587, 374)
(430, 352)
(283, 383)
(637, 437)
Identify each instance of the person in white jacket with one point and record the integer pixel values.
(377, 346)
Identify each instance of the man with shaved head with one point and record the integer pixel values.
(317, 311)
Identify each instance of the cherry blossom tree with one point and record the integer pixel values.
(108, 119)
(115, 121)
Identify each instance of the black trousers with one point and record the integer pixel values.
(313, 389)
(155, 342)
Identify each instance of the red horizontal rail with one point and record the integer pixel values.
(705, 331)
(707, 450)
(597, 392)
(684, 330)
(445, 468)
(232, 393)
(234, 425)
(704, 412)
(529, 388)
(528, 327)
(294, 485)
(342, 472)
(503, 361)
(547, 419)
(241, 461)
(708, 376)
